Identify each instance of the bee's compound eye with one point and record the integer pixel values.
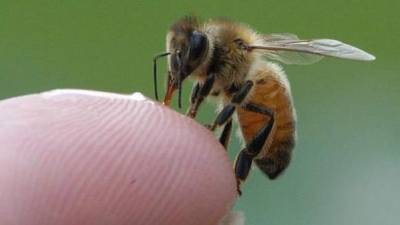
(198, 45)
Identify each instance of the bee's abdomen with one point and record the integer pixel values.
(276, 153)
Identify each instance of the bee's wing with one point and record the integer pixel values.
(289, 49)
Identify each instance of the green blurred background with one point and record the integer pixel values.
(346, 168)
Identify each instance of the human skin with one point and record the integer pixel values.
(93, 158)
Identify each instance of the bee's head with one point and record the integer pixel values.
(188, 48)
(187, 53)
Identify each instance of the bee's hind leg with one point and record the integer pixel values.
(254, 147)
(225, 117)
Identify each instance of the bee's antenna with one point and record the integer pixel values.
(178, 59)
(155, 71)
(180, 93)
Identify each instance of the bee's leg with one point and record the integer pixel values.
(254, 147)
(226, 134)
(199, 93)
(229, 109)
(193, 97)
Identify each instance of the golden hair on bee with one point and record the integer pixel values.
(233, 63)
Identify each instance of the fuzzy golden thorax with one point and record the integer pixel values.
(226, 59)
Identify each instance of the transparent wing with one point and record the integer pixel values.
(289, 49)
(299, 58)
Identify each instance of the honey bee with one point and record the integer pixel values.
(231, 62)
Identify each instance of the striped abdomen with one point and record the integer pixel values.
(271, 90)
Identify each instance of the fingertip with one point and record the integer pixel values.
(91, 157)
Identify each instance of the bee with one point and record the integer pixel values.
(234, 64)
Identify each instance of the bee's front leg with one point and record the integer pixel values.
(199, 93)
